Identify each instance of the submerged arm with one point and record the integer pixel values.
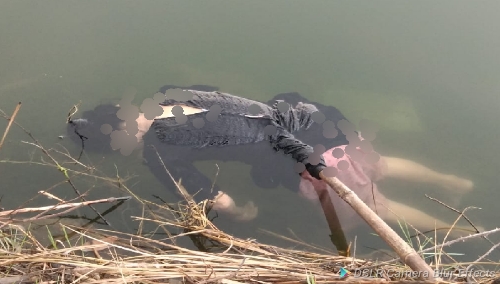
(300, 152)
(292, 120)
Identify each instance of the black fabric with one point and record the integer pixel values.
(227, 130)
(314, 134)
(314, 170)
(232, 127)
(243, 139)
(236, 125)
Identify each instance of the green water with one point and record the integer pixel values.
(426, 71)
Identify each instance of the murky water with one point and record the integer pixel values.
(426, 71)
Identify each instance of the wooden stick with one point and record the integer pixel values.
(11, 120)
(62, 206)
(406, 253)
(337, 234)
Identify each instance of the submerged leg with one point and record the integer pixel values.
(420, 220)
(412, 171)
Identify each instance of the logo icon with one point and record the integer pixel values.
(344, 273)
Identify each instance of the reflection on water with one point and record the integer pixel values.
(429, 83)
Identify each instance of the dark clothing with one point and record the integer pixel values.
(238, 135)
(235, 125)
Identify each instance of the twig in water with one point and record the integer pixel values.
(462, 239)
(65, 172)
(59, 167)
(215, 179)
(62, 206)
(452, 226)
(41, 214)
(354, 250)
(448, 243)
(457, 211)
(11, 120)
(436, 258)
(50, 195)
(373, 197)
(423, 234)
(482, 256)
(37, 144)
(72, 112)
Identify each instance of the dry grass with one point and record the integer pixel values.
(82, 254)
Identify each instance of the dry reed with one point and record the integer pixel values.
(82, 254)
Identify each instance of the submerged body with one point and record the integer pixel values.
(239, 134)
(362, 177)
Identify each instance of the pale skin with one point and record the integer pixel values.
(397, 168)
(410, 171)
(407, 170)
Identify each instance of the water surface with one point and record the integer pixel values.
(426, 71)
